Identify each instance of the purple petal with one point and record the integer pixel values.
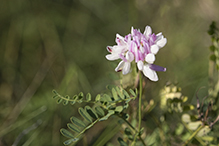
(157, 68)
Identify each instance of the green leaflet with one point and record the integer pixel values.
(126, 94)
(119, 109)
(129, 134)
(80, 97)
(91, 112)
(73, 128)
(77, 122)
(115, 96)
(132, 92)
(59, 100)
(88, 97)
(119, 92)
(97, 97)
(67, 142)
(66, 133)
(99, 111)
(85, 115)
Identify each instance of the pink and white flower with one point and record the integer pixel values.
(140, 48)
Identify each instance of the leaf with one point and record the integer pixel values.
(84, 114)
(132, 92)
(119, 109)
(72, 102)
(75, 97)
(55, 96)
(126, 116)
(119, 93)
(91, 112)
(66, 133)
(126, 94)
(59, 100)
(115, 96)
(67, 142)
(80, 97)
(194, 125)
(128, 133)
(97, 97)
(121, 142)
(88, 97)
(54, 91)
(77, 122)
(99, 111)
(73, 128)
(106, 98)
(186, 118)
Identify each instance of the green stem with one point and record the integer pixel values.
(193, 135)
(139, 110)
(139, 102)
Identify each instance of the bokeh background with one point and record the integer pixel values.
(61, 44)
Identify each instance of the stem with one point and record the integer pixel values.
(193, 135)
(139, 111)
(139, 103)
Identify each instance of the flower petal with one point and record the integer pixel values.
(109, 49)
(120, 66)
(147, 31)
(150, 58)
(126, 68)
(120, 40)
(162, 42)
(140, 65)
(154, 49)
(157, 68)
(129, 56)
(112, 56)
(151, 74)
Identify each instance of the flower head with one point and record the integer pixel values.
(140, 48)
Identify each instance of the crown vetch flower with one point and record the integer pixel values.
(140, 48)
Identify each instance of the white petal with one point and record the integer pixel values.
(129, 56)
(151, 74)
(140, 65)
(120, 40)
(162, 42)
(150, 58)
(147, 31)
(112, 56)
(154, 49)
(120, 66)
(126, 68)
(159, 36)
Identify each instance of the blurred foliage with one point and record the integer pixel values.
(60, 44)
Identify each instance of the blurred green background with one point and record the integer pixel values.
(61, 44)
